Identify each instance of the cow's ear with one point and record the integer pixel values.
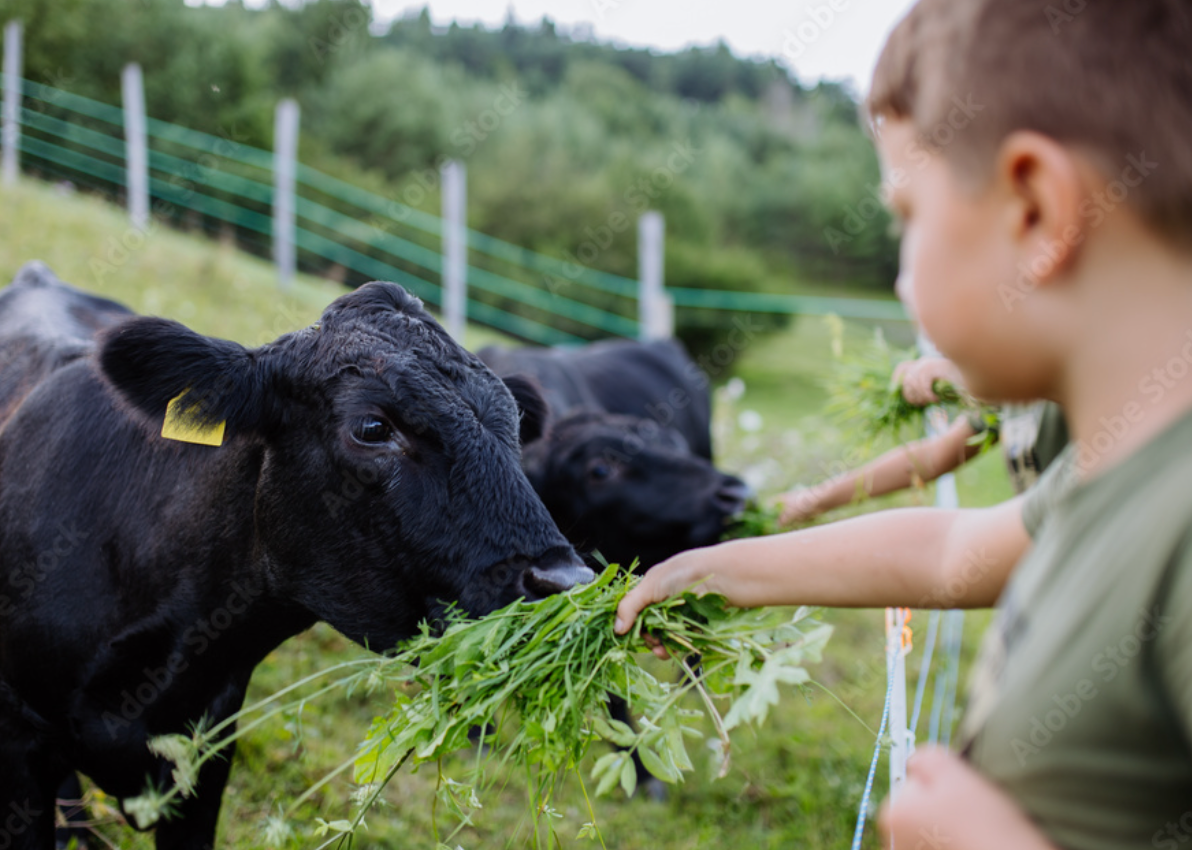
(152, 361)
(532, 405)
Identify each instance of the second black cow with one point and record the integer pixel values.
(625, 467)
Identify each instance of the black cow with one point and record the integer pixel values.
(625, 467)
(368, 475)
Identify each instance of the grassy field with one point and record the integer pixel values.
(794, 783)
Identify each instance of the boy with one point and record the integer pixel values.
(1038, 154)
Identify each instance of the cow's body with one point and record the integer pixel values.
(625, 465)
(368, 476)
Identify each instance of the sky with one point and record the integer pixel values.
(816, 39)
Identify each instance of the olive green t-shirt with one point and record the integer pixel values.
(1081, 703)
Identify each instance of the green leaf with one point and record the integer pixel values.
(658, 766)
(610, 778)
(628, 777)
(340, 826)
(678, 748)
(605, 763)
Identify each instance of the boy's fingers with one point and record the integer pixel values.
(656, 646)
(883, 817)
(631, 605)
(929, 763)
(796, 506)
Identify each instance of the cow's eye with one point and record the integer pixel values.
(372, 430)
(600, 471)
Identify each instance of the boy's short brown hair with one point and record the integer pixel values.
(1110, 78)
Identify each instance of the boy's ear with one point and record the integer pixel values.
(1047, 186)
(151, 361)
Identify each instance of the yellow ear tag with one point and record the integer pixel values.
(185, 429)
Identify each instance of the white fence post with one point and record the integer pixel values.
(655, 309)
(901, 744)
(455, 247)
(136, 145)
(285, 156)
(10, 133)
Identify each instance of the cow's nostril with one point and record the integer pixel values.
(732, 496)
(556, 578)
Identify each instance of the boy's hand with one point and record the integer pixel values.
(918, 378)
(661, 582)
(945, 803)
(798, 505)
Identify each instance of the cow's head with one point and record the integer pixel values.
(629, 488)
(386, 456)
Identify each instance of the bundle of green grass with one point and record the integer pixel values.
(537, 677)
(865, 396)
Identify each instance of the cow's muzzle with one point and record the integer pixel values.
(554, 575)
(732, 496)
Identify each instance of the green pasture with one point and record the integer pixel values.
(794, 783)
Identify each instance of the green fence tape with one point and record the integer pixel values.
(193, 172)
(557, 304)
(520, 326)
(350, 258)
(80, 162)
(573, 272)
(370, 201)
(74, 102)
(216, 145)
(188, 197)
(765, 302)
(370, 235)
(73, 133)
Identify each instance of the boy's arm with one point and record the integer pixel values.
(913, 557)
(897, 469)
